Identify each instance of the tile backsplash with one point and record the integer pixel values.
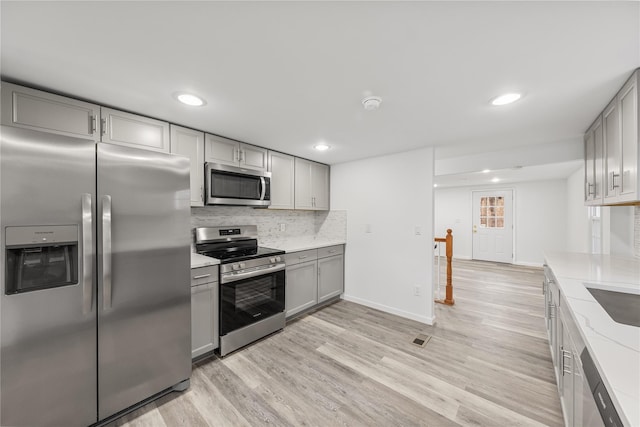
(636, 232)
(321, 225)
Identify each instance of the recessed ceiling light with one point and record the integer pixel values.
(189, 99)
(486, 171)
(505, 99)
(435, 185)
(495, 180)
(321, 147)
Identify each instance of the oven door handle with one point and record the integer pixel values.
(240, 276)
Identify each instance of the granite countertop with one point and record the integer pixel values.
(300, 244)
(614, 347)
(198, 260)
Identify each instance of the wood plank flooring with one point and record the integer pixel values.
(487, 364)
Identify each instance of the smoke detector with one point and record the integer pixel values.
(371, 102)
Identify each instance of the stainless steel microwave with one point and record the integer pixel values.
(231, 185)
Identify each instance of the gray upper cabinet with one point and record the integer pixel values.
(131, 130)
(593, 150)
(618, 131)
(34, 109)
(282, 168)
(190, 143)
(311, 185)
(234, 153)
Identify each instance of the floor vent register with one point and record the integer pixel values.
(421, 340)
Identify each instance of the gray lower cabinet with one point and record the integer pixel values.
(301, 290)
(204, 310)
(330, 277)
(313, 277)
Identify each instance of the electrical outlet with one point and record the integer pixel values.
(418, 231)
(416, 291)
(283, 227)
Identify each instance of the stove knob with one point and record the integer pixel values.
(278, 259)
(243, 265)
(272, 260)
(235, 267)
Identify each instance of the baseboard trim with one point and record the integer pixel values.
(407, 315)
(528, 264)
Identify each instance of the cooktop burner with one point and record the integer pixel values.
(231, 244)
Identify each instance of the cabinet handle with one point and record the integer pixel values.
(552, 309)
(590, 189)
(302, 256)
(332, 251)
(612, 181)
(544, 287)
(202, 276)
(566, 355)
(92, 125)
(103, 126)
(201, 194)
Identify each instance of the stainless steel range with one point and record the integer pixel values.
(252, 284)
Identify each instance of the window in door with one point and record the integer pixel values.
(492, 212)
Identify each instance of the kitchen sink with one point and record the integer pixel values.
(622, 307)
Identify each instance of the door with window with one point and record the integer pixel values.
(493, 226)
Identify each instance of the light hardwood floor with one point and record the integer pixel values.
(487, 364)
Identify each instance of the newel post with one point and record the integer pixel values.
(449, 289)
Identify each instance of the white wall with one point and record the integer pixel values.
(578, 224)
(539, 218)
(390, 196)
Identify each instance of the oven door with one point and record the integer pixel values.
(246, 301)
(229, 185)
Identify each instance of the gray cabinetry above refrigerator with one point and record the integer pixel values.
(37, 110)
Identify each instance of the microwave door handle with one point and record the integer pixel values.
(87, 253)
(263, 185)
(106, 252)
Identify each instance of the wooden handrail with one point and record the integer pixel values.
(448, 300)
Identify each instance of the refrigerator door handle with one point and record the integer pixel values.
(106, 252)
(87, 253)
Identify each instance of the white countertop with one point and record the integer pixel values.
(614, 347)
(198, 260)
(300, 244)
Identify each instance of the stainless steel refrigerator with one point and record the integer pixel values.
(95, 301)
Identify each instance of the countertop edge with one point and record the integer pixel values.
(565, 282)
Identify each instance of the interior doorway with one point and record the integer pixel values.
(492, 237)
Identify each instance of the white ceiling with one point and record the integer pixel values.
(286, 75)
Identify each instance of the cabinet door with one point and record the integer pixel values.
(34, 109)
(598, 161)
(611, 134)
(190, 143)
(628, 104)
(221, 150)
(253, 157)
(589, 166)
(282, 168)
(565, 362)
(303, 198)
(301, 287)
(320, 186)
(135, 131)
(330, 277)
(204, 318)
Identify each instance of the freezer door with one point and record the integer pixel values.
(144, 297)
(48, 321)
